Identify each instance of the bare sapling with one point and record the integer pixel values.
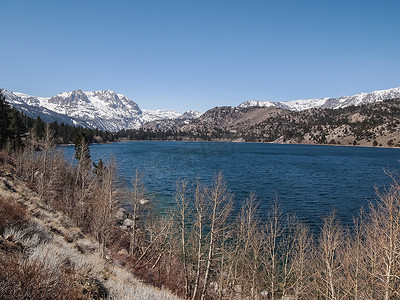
(302, 261)
(46, 177)
(383, 238)
(183, 215)
(329, 265)
(199, 234)
(105, 204)
(220, 207)
(83, 180)
(354, 258)
(273, 231)
(138, 199)
(246, 262)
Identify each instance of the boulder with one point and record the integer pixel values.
(128, 222)
(121, 214)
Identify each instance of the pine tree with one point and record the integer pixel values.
(39, 128)
(4, 120)
(17, 129)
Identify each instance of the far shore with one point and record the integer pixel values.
(235, 141)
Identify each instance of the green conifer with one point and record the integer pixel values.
(5, 110)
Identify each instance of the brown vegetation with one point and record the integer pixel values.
(53, 245)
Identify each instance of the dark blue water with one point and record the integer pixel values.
(308, 180)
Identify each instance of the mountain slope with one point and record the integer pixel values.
(335, 103)
(110, 111)
(43, 256)
(370, 124)
(105, 110)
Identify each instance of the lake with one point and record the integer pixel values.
(308, 180)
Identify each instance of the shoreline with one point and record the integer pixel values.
(244, 142)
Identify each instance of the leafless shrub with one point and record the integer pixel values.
(29, 279)
(383, 243)
(104, 205)
(12, 213)
(329, 263)
(30, 235)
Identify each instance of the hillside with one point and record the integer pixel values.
(372, 124)
(44, 256)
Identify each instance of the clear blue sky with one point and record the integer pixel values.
(200, 54)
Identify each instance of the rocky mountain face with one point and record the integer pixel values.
(334, 103)
(249, 113)
(105, 110)
(172, 123)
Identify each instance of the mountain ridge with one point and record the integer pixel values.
(370, 124)
(328, 102)
(109, 111)
(103, 109)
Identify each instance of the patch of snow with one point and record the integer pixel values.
(258, 103)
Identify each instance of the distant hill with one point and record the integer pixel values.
(372, 124)
(349, 120)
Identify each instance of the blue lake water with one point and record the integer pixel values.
(308, 180)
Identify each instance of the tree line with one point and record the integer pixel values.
(16, 126)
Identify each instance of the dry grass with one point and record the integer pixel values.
(43, 257)
(30, 235)
(11, 213)
(123, 285)
(29, 279)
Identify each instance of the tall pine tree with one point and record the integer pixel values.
(39, 128)
(17, 129)
(5, 110)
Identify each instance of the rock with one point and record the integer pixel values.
(123, 252)
(121, 214)
(128, 222)
(143, 201)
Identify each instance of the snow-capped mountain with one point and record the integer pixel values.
(159, 114)
(190, 115)
(358, 99)
(105, 109)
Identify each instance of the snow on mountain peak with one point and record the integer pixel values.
(103, 109)
(358, 99)
(190, 114)
(107, 110)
